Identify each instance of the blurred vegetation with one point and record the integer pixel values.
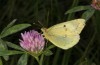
(48, 13)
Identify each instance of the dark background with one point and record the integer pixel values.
(50, 12)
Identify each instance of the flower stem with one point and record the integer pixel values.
(41, 59)
(37, 59)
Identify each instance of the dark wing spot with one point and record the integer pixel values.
(64, 26)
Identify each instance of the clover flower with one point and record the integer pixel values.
(32, 41)
(96, 4)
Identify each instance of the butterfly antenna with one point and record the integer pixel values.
(47, 18)
(47, 21)
(40, 23)
(36, 24)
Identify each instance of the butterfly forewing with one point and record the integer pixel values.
(78, 25)
(67, 28)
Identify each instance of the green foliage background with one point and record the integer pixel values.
(48, 13)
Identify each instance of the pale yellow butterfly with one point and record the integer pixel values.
(65, 35)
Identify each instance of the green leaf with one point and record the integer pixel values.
(51, 46)
(1, 63)
(78, 8)
(3, 46)
(14, 29)
(12, 45)
(47, 53)
(96, 21)
(23, 60)
(9, 52)
(8, 26)
(88, 14)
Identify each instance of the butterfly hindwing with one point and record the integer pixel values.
(64, 42)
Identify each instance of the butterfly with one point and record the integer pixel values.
(64, 35)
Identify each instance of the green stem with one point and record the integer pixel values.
(37, 59)
(32, 61)
(13, 60)
(1, 61)
(66, 57)
(71, 15)
(40, 62)
(47, 61)
(41, 59)
(56, 57)
(87, 49)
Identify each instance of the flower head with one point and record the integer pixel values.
(32, 41)
(96, 4)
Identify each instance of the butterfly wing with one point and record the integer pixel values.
(78, 25)
(68, 28)
(65, 35)
(64, 42)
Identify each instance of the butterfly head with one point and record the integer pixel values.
(44, 30)
(45, 33)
